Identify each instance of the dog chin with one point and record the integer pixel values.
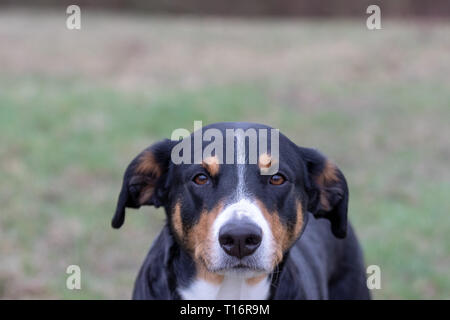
(244, 272)
(240, 270)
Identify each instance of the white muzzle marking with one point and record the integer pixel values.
(243, 209)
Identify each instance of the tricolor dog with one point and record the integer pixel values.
(233, 232)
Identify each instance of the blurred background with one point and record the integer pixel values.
(77, 105)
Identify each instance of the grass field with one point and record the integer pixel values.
(77, 106)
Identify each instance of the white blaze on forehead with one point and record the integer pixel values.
(240, 190)
(243, 207)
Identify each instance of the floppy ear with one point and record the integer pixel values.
(327, 190)
(143, 181)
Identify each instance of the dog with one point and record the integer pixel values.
(232, 232)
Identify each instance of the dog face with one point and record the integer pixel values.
(231, 218)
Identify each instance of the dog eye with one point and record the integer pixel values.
(277, 179)
(200, 179)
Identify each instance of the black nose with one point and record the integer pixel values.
(240, 239)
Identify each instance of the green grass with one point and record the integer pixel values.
(68, 144)
(66, 139)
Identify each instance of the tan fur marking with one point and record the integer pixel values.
(329, 172)
(176, 221)
(256, 280)
(199, 242)
(211, 164)
(146, 193)
(327, 177)
(148, 165)
(324, 202)
(278, 230)
(299, 223)
(282, 236)
(209, 276)
(264, 161)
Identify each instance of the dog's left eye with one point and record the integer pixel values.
(200, 179)
(277, 179)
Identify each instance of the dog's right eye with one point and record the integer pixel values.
(277, 179)
(200, 179)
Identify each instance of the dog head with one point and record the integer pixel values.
(223, 210)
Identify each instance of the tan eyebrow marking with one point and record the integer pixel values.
(211, 164)
(264, 161)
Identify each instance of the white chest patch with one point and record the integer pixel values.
(231, 288)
